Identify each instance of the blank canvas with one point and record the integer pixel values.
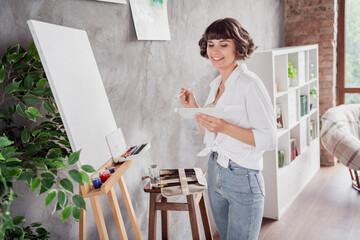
(79, 92)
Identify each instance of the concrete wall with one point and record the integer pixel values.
(141, 79)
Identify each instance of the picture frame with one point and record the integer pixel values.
(279, 117)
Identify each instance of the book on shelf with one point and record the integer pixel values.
(303, 105)
(294, 149)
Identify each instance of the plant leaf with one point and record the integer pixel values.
(18, 219)
(19, 66)
(4, 142)
(42, 190)
(49, 197)
(32, 50)
(76, 213)
(47, 182)
(25, 136)
(67, 185)
(2, 74)
(1, 157)
(65, 213)
(62, 198)
(60, 165)
(29, 82)
(47, 175)
(79, 201)
(74, 157)
(11, 87)
(34, 111)
(20, 109)
(48, 107)
(76, 175)
(41, 83)
(29, 99)
(14, 172)
(88, 168)
(36, 224)
(35, 182)
(85, 177)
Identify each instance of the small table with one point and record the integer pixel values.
(158, 202)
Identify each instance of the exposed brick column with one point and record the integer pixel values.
(315, 22)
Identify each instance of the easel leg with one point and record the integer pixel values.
(193, 217)
(164, 221)
(130, 208)
(152, 217)
(117, 214)
(99, 218)
(205, 218)
(82, 224)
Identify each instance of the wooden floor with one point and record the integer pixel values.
(327, 209)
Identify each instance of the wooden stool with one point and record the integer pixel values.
(164, 206)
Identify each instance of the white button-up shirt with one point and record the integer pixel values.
(246, 99)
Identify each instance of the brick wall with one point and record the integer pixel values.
(315, 22)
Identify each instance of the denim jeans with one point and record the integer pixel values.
(236, 197)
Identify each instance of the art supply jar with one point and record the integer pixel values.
(104, 175)
(96, 181)
(154, 175)
(111, 169)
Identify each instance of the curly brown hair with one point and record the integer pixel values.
(228, 28)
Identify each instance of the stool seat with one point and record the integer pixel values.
(160, 203)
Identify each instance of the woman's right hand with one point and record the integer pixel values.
(187, 98)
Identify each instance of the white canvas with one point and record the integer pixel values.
(150, 19)
(79, 92)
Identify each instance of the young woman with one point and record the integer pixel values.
(235, 182)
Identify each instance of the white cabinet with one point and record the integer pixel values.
(300, 121)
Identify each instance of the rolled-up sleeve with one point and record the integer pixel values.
(261, 116)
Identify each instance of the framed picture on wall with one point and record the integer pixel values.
(279, 117)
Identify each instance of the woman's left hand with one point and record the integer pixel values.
(212, 124)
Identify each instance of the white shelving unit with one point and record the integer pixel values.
(284, 184)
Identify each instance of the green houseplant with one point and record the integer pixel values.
(291, 72)
(34, 147)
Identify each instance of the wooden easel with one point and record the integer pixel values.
(88, 191)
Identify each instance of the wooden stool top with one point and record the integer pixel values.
(151, 190)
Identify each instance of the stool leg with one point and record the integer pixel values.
(117, 214)
(164, 221)
(152, 217)
(205, 218)
(193, 217)
(99, 218)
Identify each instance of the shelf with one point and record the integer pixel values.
(281, 131)
(279, 94)
(314, 80)
(285, 184)
(314, 110)
(294, 125)
(293, 88)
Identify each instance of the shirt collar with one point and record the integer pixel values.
(233, 76)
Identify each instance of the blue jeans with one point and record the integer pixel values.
(236, 197)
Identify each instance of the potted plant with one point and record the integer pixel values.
(291, 72)
(313, 96)
(34, 147)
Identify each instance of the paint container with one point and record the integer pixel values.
(111, 169)
(104, 175)
(96, 181)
